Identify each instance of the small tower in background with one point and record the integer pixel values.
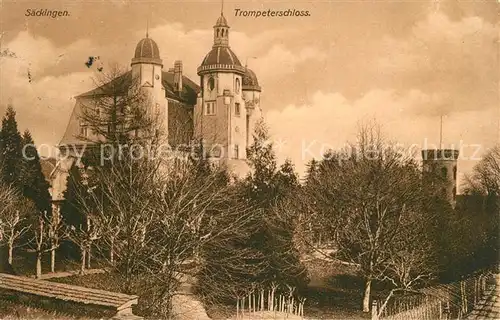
(440, 169)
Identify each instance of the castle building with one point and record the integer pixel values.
(440, 170)
(221, 111)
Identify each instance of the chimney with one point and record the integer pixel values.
(178, 75)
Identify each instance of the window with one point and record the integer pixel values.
(211, 83)
(210, 108)
(455, 173)
(237, 85)
(83, 129)
(237, 109)
(236, 152)
(444, 172)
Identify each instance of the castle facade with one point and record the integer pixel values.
(221, 108)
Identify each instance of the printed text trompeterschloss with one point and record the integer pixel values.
(271, 13)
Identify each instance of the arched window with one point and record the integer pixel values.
(455, 173)
(444, 172)
(222, 33)
(211, 83)
(218, 32)
(237, 85)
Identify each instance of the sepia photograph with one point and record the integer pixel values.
(249, 159)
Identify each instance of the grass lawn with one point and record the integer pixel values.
(13, 306)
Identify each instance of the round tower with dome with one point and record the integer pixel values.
(223, 118)
(147, 73)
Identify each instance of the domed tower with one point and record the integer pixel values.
(440, 171)
(251, 95)
(147, 73)
(220, 116)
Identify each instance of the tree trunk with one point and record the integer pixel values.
(53, 260)
(11, 249)
(88, 257)
(112, 251)
(38, 265)
(83, 259)
(366, 297)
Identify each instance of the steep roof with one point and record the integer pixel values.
(187, 95)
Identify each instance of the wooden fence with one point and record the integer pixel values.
(270, 304)
(449, 301)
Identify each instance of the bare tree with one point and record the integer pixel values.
(363, 196)
(12, 218)
(44, 229)
(117, 108)
(84, 235)
(485, 179)
(191, 212)
(57, 231)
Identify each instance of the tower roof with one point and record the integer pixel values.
(250, 81)
(147, 51)
(221, 58)
(221, 22)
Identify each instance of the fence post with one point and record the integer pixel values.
(374, 310)
(440, 310)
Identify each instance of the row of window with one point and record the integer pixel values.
(211, 110)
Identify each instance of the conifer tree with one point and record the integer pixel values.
(73, 209)
(266, 255)
(10, 146)
(266, 188)
(33, 184)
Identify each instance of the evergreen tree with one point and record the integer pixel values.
(31, 178)
(265, 253)
(11, 148)
(311, 171)
(72, 208)
(265, 188)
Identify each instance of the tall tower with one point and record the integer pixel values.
(220, 116)
(440, 171)
(147, 74)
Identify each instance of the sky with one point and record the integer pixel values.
(401, 64)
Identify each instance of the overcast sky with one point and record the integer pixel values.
(402, 63)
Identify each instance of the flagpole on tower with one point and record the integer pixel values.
(441, 132)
